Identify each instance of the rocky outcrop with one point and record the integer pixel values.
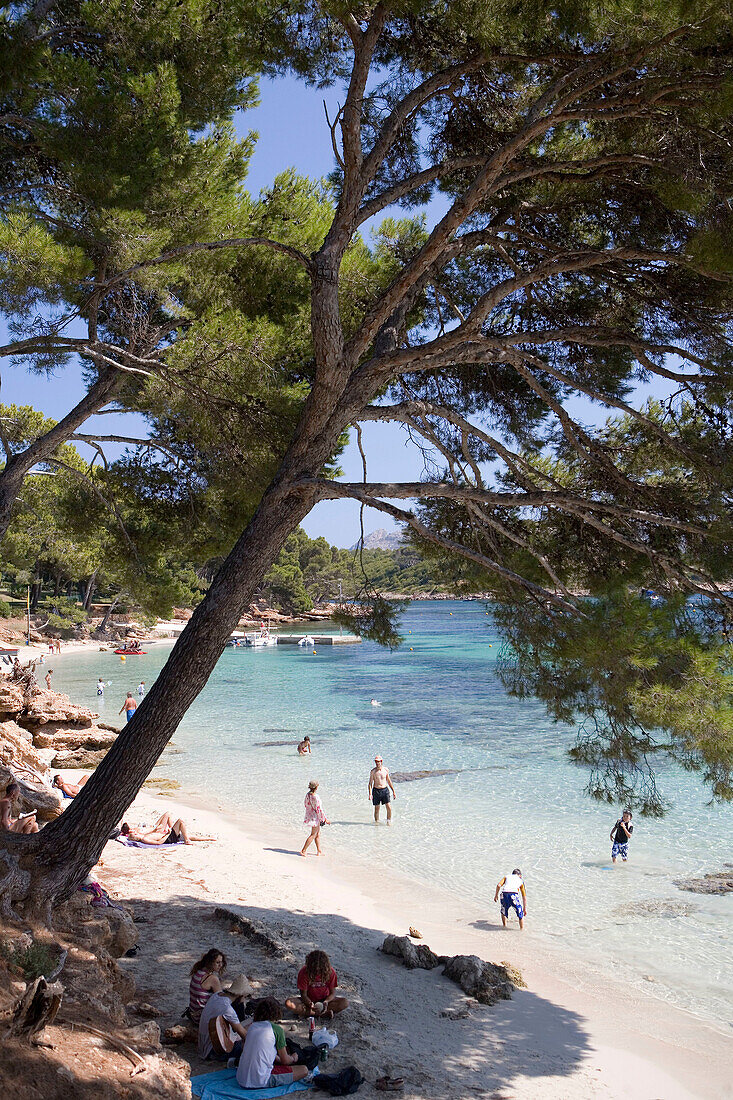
(486, 982)
(45, 729)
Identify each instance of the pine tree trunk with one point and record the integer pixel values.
(102, 628)
(52, 862)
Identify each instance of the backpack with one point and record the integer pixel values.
(339, 1084)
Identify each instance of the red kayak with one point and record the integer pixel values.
(132, 652)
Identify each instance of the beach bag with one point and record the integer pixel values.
(325, 1038)
(339, 1084)
(307, 1055)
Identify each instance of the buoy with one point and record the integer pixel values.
(411, 649)
(123, 658)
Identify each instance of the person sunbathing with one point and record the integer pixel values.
(165, 831)
(18, 824)
(69, 790)
(317, 982)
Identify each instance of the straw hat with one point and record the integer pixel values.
(238, 987)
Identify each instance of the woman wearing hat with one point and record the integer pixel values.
(219, 1017)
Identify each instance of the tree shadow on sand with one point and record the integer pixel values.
(415, 1024)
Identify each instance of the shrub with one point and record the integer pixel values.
(6, 610)
(33, 961)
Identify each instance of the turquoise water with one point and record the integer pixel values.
(514, 800)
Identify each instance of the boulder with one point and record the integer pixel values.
(80, 758)
(16, 748)
(122, 933)
(415, 956)
(487, 982)
(59, 735)
(52, 706)
(33, 796)
(717, 882)
(144, 1038)
(12, 698)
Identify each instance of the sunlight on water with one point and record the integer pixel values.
(515, 800)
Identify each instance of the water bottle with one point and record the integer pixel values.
(311, 1026)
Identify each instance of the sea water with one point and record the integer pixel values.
(511, 798)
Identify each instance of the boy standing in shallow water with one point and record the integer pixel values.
(513, 896)
(621, 835)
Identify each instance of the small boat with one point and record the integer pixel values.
(259, 638)
(135, 651)
(307, 640)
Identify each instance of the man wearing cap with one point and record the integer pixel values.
(380, 785)
(223, 1004)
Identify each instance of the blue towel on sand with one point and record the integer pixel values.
(222, 1085)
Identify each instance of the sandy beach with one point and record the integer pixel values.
(571, 1034)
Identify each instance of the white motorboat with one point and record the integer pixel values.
(307, 640)
(259, 638)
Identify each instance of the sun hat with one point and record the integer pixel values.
(239, 986)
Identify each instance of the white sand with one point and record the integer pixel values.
(572, 1034)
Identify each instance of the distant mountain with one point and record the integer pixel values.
(382, 540)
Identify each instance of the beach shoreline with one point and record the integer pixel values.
(582, 1033)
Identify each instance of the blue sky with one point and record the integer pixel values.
(292, 133)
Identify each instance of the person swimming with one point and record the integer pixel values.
(304, 747)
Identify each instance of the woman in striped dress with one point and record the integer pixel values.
(205, 980)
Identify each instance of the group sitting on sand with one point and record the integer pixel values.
(260, 1049)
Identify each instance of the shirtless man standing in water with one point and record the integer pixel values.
(380, 785)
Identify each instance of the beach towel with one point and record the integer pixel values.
(222, 1085)
(142, 844)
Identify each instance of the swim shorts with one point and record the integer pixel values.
(280, 1076)
(381, 796)
(130, 713)
(620, 850)
(511, 901)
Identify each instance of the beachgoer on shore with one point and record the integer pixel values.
(317, 982)
(48, 676)
(129, 706)
(513, 896)
(621, 835)
(57, 645)
(223, 1004)
(26, 824)
(165, 831)
(265, 1062)
(314, 818)
(100, 686)
(141, 689)
(69, 790)
(206, 975)
(50, 647)
(304, 747)
(380, 785)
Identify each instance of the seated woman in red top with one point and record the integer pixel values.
(317, 983)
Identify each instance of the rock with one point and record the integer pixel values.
(415, 956)
(456, 1013)
(179, 1033)
(144, 1038)
(52, 706)
(16, 747)
(81, 758)
(487, 982)
(142, 1008)
(33, 796)
(59, 736)
(718, 882)
(12, 698)
(245, 927)
(122, 932)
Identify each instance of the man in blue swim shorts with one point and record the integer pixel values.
(621, 835)
(513, 896)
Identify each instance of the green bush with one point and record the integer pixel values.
(33, 961)
(6, 610)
